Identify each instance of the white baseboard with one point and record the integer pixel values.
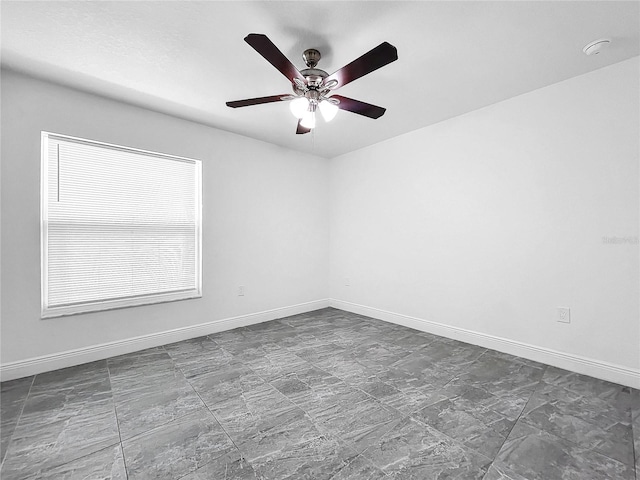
(587, 366)
(45, 363)
(575, 363)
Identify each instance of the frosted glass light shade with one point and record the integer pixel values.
(308, 120)
(299, 106)
(328, 110)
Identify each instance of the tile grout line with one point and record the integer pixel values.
(402, 416)
(33, 380)
(178, 417)
(212, 414)
(519, 416)
(485, 352)
(311, 419)
(82, 456)
(329, 435)
(571, 441)
(361, 454)
(314, 365)
(636, 454)
(115, 410)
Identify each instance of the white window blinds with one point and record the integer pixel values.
(120, 227)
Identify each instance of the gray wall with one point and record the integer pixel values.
(481, 225)
(265, 219)
(490, 221)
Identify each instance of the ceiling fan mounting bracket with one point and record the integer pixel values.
(311, 57)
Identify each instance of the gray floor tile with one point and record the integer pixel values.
(409, 379)
(247, 350)
(347, 338)
(515, 359)
(310, 458)
(198, 356)
(452, 355)
(228, 467)
(177, 448)
(325, 401)
(107, 464)
(299, 341)
(359, 424)
(304, 378)
(499, 375)
(408, 340)
(347, 367)
(140, 367)
(52, 432)
(149, 390)
(538, 455)
(589, 421)
(285, 443)
(263, 402)
(76, 382)
(376, 355)
(413, 450)
(426, 372)
(143, 407)
(13, 394)
(236, 336)
(321, 395)
(271, 439)
(276, 364)
(228, 382)
(69, 413)
(488, 407)
(613, 394)
(259, 421)
(360, 469)
(319, 351)
(485, 437)
(500, 472)
(274, 333)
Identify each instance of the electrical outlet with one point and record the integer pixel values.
(241, 291)
(564, 314)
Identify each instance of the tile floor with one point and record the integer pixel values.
(323, 395)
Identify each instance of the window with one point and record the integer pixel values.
(120, 226)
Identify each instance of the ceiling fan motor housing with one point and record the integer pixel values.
(314, 76)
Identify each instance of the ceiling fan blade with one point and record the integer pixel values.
(275, 57)
(301, 130)
(361, 108)
(257, 101)
(380, 56)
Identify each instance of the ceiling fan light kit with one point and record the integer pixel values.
(298, 106)
(329, 109)
(313, 87)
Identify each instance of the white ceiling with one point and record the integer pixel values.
(187, 58)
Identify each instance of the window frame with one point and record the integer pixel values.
(47, 311)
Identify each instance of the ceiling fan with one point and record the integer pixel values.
(312, 86)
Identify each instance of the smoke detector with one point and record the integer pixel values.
(596, 46)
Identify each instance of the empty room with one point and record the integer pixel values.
(320, 240)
